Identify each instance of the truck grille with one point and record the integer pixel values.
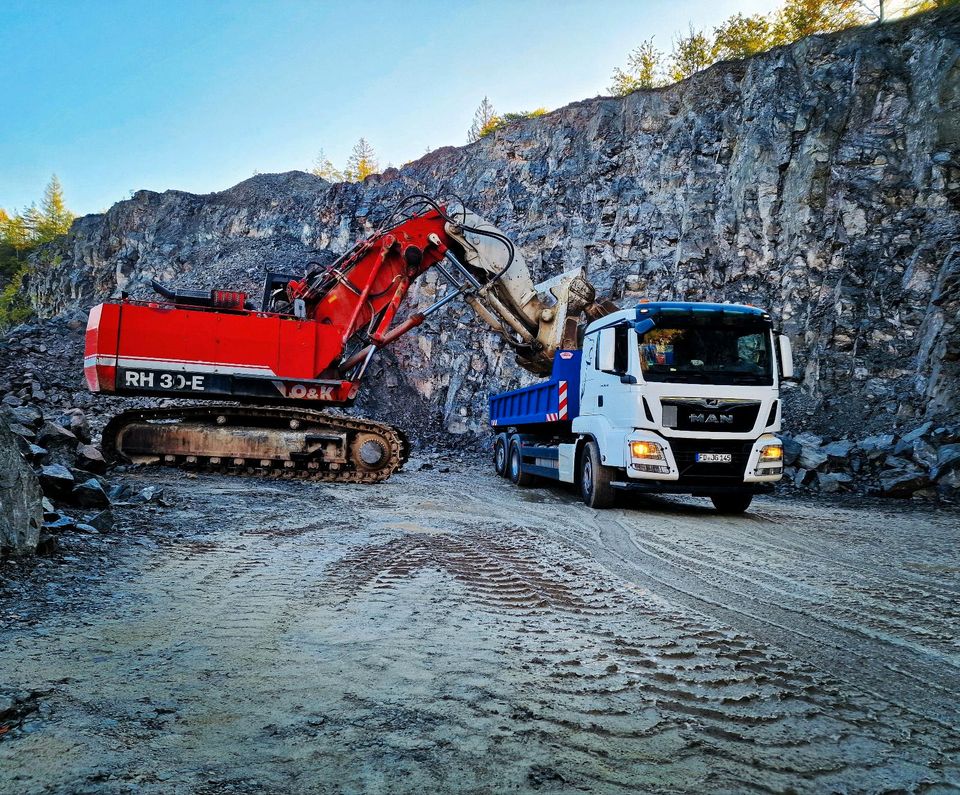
(694, 473)
(695, 414)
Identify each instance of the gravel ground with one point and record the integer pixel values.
(449, 632)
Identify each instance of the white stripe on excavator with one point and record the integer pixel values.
(184, 365)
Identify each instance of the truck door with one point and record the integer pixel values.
(606, 360)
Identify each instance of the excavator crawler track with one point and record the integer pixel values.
(275, 442)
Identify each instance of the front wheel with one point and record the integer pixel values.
(500, 454)
(595, 488)
(734, 503)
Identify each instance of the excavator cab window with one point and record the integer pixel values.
(275, 298)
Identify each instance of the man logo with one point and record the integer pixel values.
(712, 419)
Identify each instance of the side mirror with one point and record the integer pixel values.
(786, 356)
(628, 379)
(607, 354)
(643, 326)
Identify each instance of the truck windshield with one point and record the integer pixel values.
(707, 353)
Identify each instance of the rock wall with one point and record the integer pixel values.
(820, 180)
(21, 514)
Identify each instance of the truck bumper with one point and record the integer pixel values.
(677, 487)
(680, 471)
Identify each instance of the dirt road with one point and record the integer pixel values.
(447, 632)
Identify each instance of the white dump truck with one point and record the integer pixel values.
(668, 397)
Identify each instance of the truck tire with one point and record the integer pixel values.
(595, 488)
(732, 503)
(500, 454)
(515, 470)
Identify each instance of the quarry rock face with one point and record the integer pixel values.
(21, 514)
(820, 181)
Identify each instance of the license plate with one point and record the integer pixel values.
(715, 458)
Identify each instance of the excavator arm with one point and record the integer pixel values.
(362, 291)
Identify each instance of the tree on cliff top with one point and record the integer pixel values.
(20, 235)
(644, 70)
(691, 54)
(483, 118)
(54, 218)
(322, 167)
(362, 162)
(741, 36)
(799, 18)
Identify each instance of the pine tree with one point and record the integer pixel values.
(15, 233)
(322, 167)
(53, 219)
(483, 119)
(362, 162)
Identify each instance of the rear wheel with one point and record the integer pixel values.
(516, 473)
(733, 503)
(595, 488)
(500, 454)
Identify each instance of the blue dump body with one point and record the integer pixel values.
(552, 401)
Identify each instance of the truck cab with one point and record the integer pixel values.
(671, 397)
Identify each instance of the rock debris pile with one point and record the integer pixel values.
(53, 475)
(922, 462)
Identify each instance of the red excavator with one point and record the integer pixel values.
(308, 346)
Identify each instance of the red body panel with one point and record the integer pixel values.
(135, 347)
(100, 347)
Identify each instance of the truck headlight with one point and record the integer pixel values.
(771, 454)
(646, 450)
(650, 452)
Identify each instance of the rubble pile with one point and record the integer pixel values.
(921, 462)
(56, 473)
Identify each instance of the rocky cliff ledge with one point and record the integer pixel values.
(820, 180)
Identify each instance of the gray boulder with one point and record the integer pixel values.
(923, 453)
(917, 433)
(948, 483)
(903, 482)
(791, 451)
(21, 514)
(832, 482)
(28, 416)
(874, 447)
(812, 457)
(948, 457)
(90, 494)
(57, 481)
(90, 458)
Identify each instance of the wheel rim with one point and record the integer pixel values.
(499, 456)
(587, 477)
(515, 463)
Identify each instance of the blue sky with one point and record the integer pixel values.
(115, 96)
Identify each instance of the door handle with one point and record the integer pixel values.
(600, 400)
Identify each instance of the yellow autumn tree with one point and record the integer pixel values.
(362, 162)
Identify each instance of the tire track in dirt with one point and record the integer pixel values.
(765, 720)
(450, 633)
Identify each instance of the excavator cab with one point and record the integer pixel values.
(275, 295)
